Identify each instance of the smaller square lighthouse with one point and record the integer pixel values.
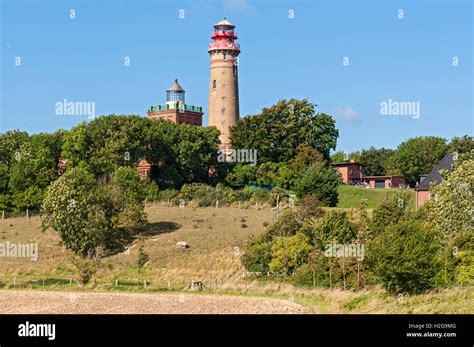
(175, 109)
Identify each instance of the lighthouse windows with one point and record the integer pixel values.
(225, 56)
(214, 84)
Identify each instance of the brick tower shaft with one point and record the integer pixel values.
(223, 111)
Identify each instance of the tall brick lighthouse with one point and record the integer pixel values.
(223, 111)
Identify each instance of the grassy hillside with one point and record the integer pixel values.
(217, 238)
(350, 196)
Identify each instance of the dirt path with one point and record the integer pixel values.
(31, 302)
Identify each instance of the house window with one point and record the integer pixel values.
(214, 84)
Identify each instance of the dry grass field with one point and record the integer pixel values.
(217, 238)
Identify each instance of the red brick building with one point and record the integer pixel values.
(352, 173)
(384, 181)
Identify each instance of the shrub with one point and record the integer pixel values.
(260, 195)
(310, 207)
(389, 212)
(452, 209)
(289, 253)
(321, 181)
(288, 224)
(335, 227)
(405, 257)
(30, 198)
(278, 195)
(459, 259)
(244, 194)
(169, 194)
(257, 255)
(241, 174)
(85, 269)
(152, 192)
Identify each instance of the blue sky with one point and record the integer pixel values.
(402, 59)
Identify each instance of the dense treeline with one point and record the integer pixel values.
(181, 154)
(29, 164)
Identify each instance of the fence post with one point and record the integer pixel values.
(27, 214)
(217, 203)
(239, 204)
(169, 285)
(116, 283)
(3, 214)
(14, 281)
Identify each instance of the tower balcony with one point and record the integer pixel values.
(174, 106)
(223, 45)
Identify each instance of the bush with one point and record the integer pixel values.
(241, 175)
(452, 209)
(288, 224)
(258, 255)
(335, 227)
(321, 181)
(260, 195)
(405, 257)
(307, 274)
(289, 253)
(31, 199)
(390, 212)
(206, 195)
(170, 195)
(244, 194)
(278, 195)
(459, 258)
(152, 192)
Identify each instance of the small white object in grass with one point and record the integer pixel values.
(182, 244)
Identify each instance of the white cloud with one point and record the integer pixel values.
(347, 113)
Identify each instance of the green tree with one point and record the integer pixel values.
(463, 144)
(91, 217)
(258, 255)
(375, 160)
(107, 143)
(417, 156)
(184, 153)
(451, 210)
(405, 257)
(10, 152)
(278, 132)
(289, 253)
(392, 210)
(320, 181)
(334, 227)
(344, 157)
